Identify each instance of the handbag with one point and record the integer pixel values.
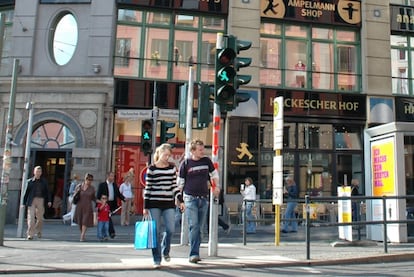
(76, 196)
(145, 233)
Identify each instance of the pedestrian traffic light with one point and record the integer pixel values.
(205, 94)
(165, 136)
(227, 66)
(146, 136)
(225, 74)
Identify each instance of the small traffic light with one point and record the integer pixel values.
(205, 92)
(146, 136)
(225, 74)
(165, 136)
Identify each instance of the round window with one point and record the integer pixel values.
(65, 39)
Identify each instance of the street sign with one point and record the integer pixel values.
(143, 175)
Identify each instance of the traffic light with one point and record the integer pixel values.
(239, 62)
(227, 66)
(146, 136)
(205, 92)
(165, 136)
(225, 74)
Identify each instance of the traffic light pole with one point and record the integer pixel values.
(154, 122)
(188, 137)
(213, 226)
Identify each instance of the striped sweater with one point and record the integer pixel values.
(161, 187)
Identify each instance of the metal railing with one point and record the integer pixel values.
(314, 223)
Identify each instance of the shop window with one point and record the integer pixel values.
(159, 18)
(346, 56)
(122, 51)
(347, 138)
(186, 20)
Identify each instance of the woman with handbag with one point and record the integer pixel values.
(159, 200)
(84, 214)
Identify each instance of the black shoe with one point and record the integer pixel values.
(284, 231)
(112, 235)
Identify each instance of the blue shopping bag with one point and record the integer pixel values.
(145, 233)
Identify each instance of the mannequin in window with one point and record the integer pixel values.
(300, 68)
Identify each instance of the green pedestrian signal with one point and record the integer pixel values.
(225, 73)
(227, 80)
(146, 136)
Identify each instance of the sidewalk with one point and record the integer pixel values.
(59, 250)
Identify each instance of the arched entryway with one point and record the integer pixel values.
(54, 136)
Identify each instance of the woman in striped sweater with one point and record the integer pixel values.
(160, 193)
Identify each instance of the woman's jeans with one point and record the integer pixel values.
(163, 238)
(251, 225)
(290, 214)
(196, 211)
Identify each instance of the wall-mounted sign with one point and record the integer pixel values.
(334, 12)
(404, 109)
(402, 19)
(309, 104)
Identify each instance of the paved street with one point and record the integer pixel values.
(59, 250)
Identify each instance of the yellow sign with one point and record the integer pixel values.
(383, 164)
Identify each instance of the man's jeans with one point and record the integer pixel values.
(196, 211)
(164, 238)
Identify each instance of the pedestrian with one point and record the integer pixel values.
(126, 190)
(103, 218)
(291, 193)
(194, 176)
(160, 195)
(58, 196)
(248, 191)
(84, 214)
(73, 185)
(354, 204)
(110, 189)
(34, 198)
(268, 193)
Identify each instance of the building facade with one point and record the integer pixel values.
(337, 63)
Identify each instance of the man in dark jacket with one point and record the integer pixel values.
(34, 198)
(111, 190)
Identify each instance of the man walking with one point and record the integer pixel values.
(111, 190)
(34, 198)
(194, 176)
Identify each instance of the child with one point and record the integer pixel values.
(103, 218)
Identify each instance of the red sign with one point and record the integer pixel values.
(142, 175)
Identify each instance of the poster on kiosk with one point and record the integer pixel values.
(383, 184)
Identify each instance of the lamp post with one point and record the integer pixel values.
(7, 160)
(29, 106)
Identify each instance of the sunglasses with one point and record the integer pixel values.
(89, 179)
